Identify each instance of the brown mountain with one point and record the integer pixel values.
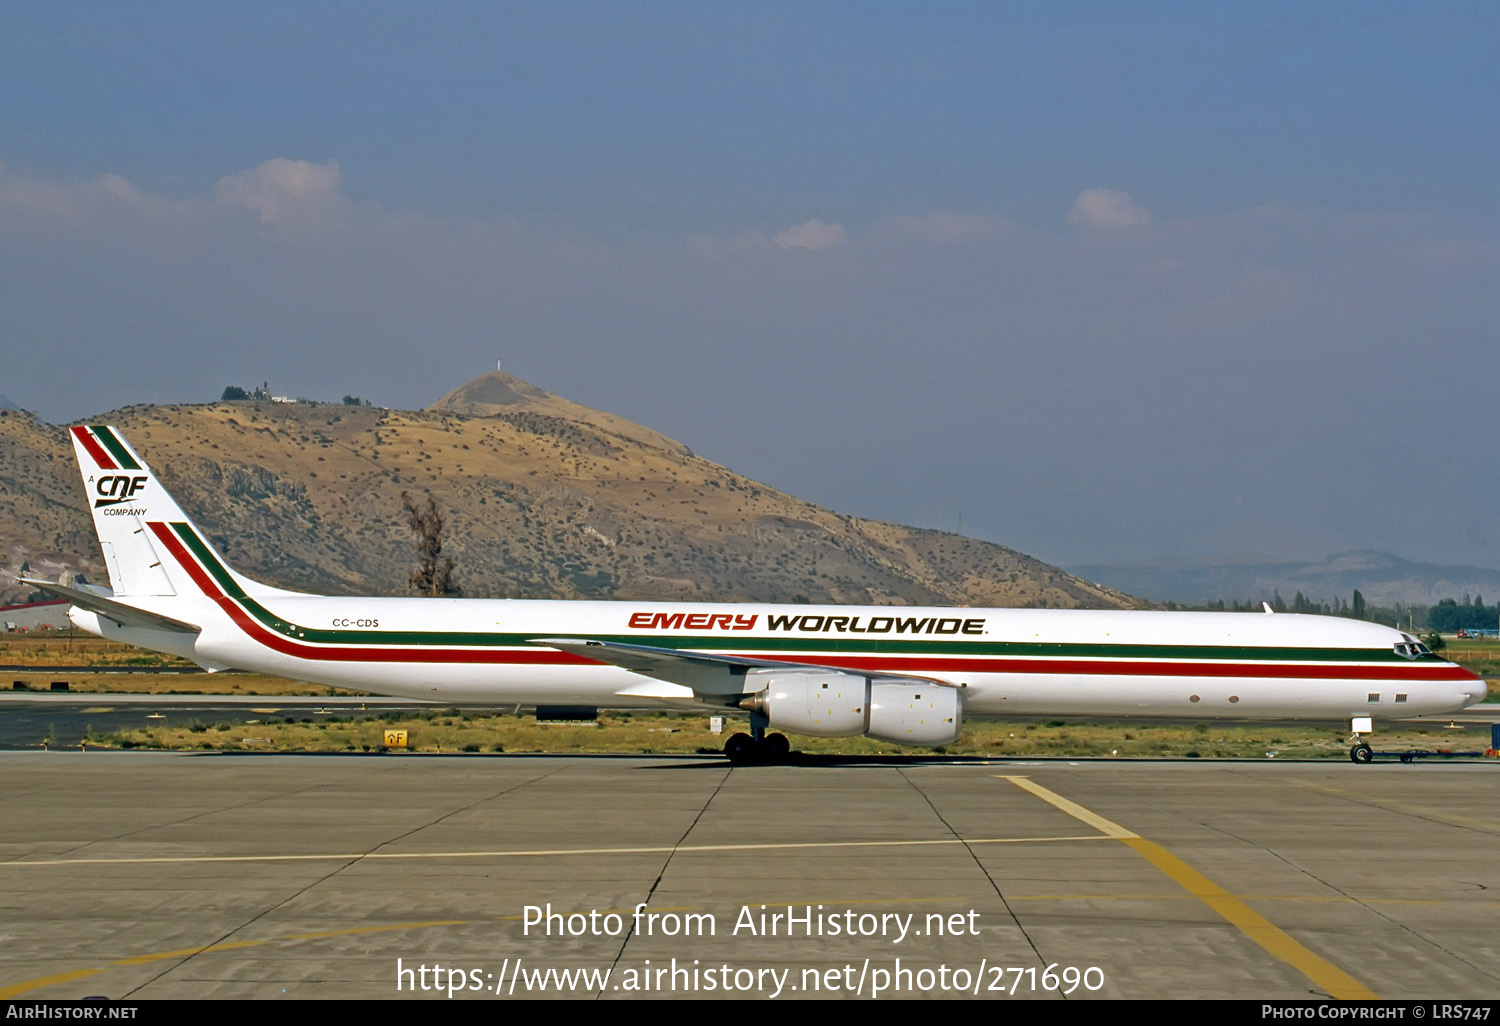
(544, 498)
(498, 394)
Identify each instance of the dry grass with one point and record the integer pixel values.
(74, 648)
(169, 684)
(456, 731)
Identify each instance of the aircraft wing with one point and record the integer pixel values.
(703, 672)
(119, 612)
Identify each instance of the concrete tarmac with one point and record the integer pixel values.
(145, 875)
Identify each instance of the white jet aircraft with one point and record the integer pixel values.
(898, 674)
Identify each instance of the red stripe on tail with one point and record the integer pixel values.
(94, 448)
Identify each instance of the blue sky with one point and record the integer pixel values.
(1103, 281)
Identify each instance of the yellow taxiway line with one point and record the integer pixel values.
(1251, 923)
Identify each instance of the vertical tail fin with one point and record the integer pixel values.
(123, 494)
(126, 499)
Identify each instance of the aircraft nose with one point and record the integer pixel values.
(1477, 690)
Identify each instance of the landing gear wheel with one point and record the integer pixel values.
(741, 748)
(1362, 753)
(776, 748)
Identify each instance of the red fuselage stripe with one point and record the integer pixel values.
(287, 646)
(911, 663)
(1112, 667)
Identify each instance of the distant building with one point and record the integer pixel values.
(30, 616)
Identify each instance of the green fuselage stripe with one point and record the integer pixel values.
(924, 645)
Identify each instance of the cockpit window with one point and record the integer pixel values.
(1411, 649)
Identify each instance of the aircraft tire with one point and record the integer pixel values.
(1361, 753)
(741, 749)
(776, 748)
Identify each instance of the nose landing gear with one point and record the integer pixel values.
(1359, 726)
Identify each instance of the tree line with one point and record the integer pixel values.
(234, 393)
(1447, 617)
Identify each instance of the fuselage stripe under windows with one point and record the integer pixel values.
(817, 649)
(912, 662)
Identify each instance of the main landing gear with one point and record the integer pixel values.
(757, 746)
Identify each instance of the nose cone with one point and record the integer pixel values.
(1476, 690)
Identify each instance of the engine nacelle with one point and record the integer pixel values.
(831, 703)
(822, 702)
(915, 714)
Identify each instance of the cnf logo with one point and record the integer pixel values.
(117, 488)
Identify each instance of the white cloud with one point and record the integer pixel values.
(119, 188)
(280, 191)
(1107, 208)
(811, 235)
(67, 200)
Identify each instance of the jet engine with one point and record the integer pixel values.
(915, 714)
(833, 703)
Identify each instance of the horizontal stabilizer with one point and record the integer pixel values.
(119, 612)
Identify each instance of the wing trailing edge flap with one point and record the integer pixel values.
(695, 673)
(121, 613)
(659, 689)
(683, 674)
